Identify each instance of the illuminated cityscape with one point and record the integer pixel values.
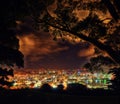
(61, 77)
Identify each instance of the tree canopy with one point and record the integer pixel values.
(100, 63)
(10, 56)
(102, 32)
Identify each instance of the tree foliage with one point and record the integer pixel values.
(10, 56)
(99, 63)
(116, 80)
(93, 28)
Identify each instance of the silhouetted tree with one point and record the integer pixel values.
(106, 65)
(46, 87)
(76, 88)
(60, 88)
(113, 8)
(10, 56)
(116, 80)
(99, 64)
(64, 22)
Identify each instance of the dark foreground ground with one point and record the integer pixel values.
(41, 97)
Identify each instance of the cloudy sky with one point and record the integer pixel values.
(41, 51)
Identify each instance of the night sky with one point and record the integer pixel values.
(41, 51)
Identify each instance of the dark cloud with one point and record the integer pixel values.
(65, 59)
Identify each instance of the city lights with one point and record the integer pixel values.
(61, 77)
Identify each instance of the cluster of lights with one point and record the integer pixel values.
(55, 78)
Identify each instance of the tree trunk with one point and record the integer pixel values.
(115, 56)
(117, 5)
(111, 9)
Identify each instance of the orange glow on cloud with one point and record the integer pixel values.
(30, 44)
(87, 52)
(36, 46)
(26, 44)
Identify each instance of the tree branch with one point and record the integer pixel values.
(113, 54)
